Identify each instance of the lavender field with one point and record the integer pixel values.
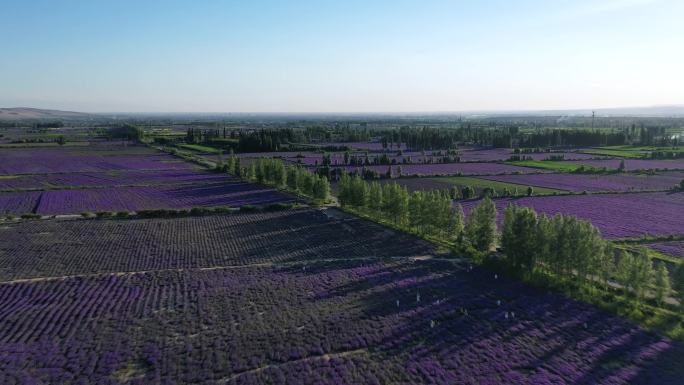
(89, 159)
(637, 164)
(310, 318)
(616, 215)
(110, 179)
(451, 169)
(77, 247)
(116, 177)
(672, 248)
(229, 192)
(596, 182)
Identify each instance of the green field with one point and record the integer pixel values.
(550, 165)
(619, 153)
(477, 184)
(200, 148)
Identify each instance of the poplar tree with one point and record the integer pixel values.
(679, 285)
(662, 283)
(375, 199)
(480, 226)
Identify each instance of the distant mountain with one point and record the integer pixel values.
(25, 113)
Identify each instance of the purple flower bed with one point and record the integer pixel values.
(321, 323)
(452, 169)
(485, 155)
(110, 246)
(616, 215)
(584, 182)
(673, 248)
(19, 203)
(64, 160)
(112, 179)
(75, 201)
(638, 164)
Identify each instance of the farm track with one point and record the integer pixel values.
(230, 267)
(325, 357)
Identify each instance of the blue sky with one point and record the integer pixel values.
(340, 56)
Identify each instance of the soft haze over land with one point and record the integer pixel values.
(327, 56)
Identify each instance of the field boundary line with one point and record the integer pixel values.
(228, 267)
(324, 356)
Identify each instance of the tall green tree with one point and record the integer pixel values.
(480, 226)
(375, 199)
(457, 222)
(635, 273)
(519, 237)
(678, 279)
(321, 188)
(661, 283)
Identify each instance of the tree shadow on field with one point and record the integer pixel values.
(458, 332)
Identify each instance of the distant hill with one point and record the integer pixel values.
(25, 113)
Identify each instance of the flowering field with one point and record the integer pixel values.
(673, 248)
(327, 322)
(89, 159)
(451, 169)
(115, 177)
(231, 192)
(616, 215)
(110, 179)
(638, 164)
(59, 248)
(588, 182)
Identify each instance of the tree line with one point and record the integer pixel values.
(570, 250)
(561, 249)
(274, 172)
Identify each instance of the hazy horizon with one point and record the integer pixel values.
(352, 57)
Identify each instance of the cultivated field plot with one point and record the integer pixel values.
(672, 248)
(596, 182)
(616, 215)
(74, 247)
(637, 164)
(97, 157)
(232, 192)
(114, 177)
(109, 179)
(451, 169)
(358, 322)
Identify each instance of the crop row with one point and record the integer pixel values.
(232, 193)
(337, 322)
(90, 159)
(58, 248)
(110, 179)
